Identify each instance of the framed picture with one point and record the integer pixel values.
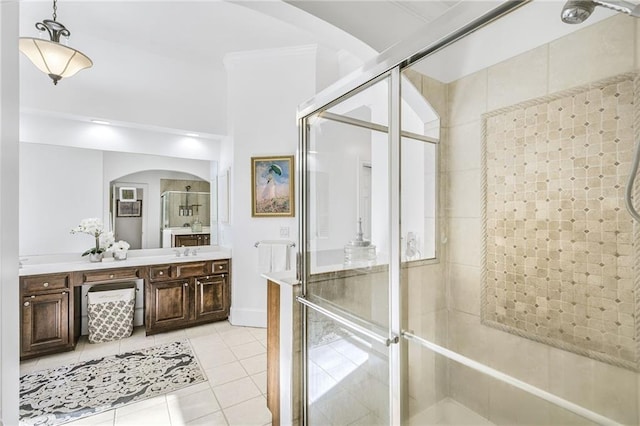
(128, 194)
(129, 209)
(272, 187)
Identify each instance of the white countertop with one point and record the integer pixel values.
(282, 278)
(35, 265)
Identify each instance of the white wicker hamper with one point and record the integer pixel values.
(110, 310)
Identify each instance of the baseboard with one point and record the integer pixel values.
(248, 317)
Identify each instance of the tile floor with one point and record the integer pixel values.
(233, 359)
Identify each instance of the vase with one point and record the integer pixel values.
(95, 257)
(120, 255)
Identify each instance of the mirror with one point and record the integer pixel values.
(61, 185)
(171, 209)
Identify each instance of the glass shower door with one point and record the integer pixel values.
(477, 212)
(347, 267)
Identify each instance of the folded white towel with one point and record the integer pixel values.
(280, 257)
(264, 258)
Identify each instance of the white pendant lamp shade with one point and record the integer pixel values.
(52, 58)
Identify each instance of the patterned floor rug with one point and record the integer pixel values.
(64, 394)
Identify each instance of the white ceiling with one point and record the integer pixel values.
(380, 24)
(160, 63)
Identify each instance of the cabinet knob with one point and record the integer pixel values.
(111, 276)
(220, 267)
(45, 284)
(26, 303)
(198, 283)
(33, 297)
(186, 284)
(161, 273)
(223, 275)
(64, 292)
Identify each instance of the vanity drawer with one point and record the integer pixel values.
(184, 270)
(220, 266)
(157, 273)
(112, 275)
(41, 283)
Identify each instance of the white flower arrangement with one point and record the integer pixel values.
(120, 247)
(94, 227)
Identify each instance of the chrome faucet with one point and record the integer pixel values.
(186, 251)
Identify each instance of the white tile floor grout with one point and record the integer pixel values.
(233, 359)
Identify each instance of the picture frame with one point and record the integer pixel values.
(129, 209)
(272, 186)
(127, 194)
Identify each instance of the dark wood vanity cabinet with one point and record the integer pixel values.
(45, 316)
(211, 298)
(190, 240)
(182, 295)
(167, 305)
(176, 295)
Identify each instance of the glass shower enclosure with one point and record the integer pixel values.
(466, 257)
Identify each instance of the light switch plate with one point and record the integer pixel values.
(284, 231)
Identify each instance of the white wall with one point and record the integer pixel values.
(265, 89)
(9, 337)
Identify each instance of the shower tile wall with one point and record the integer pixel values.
(596, 52)
(424, 294)
(559, 253)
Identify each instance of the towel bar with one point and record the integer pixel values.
(288, 243)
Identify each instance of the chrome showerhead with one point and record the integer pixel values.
(577, 11)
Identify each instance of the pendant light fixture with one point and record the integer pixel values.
(52, 58)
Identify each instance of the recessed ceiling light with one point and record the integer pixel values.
(100, 122)
(193, 135)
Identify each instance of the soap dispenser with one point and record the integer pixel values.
(196, 226)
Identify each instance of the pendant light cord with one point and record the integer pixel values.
(55, 9)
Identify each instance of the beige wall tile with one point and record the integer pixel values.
(509, 405)
(518, 79)
(470, 388)
(436, 93)
(464, 241)
(603, 388)
(468, 336)
(464, 194)
(595, 52)
(426, 286)
(592, 53)
(467, 98)
(464, 147)
(464, 288)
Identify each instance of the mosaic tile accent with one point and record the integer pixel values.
(559, 244)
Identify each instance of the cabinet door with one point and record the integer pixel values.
(212, 297)
(186, 240)
(45, 322)
(168, 304)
